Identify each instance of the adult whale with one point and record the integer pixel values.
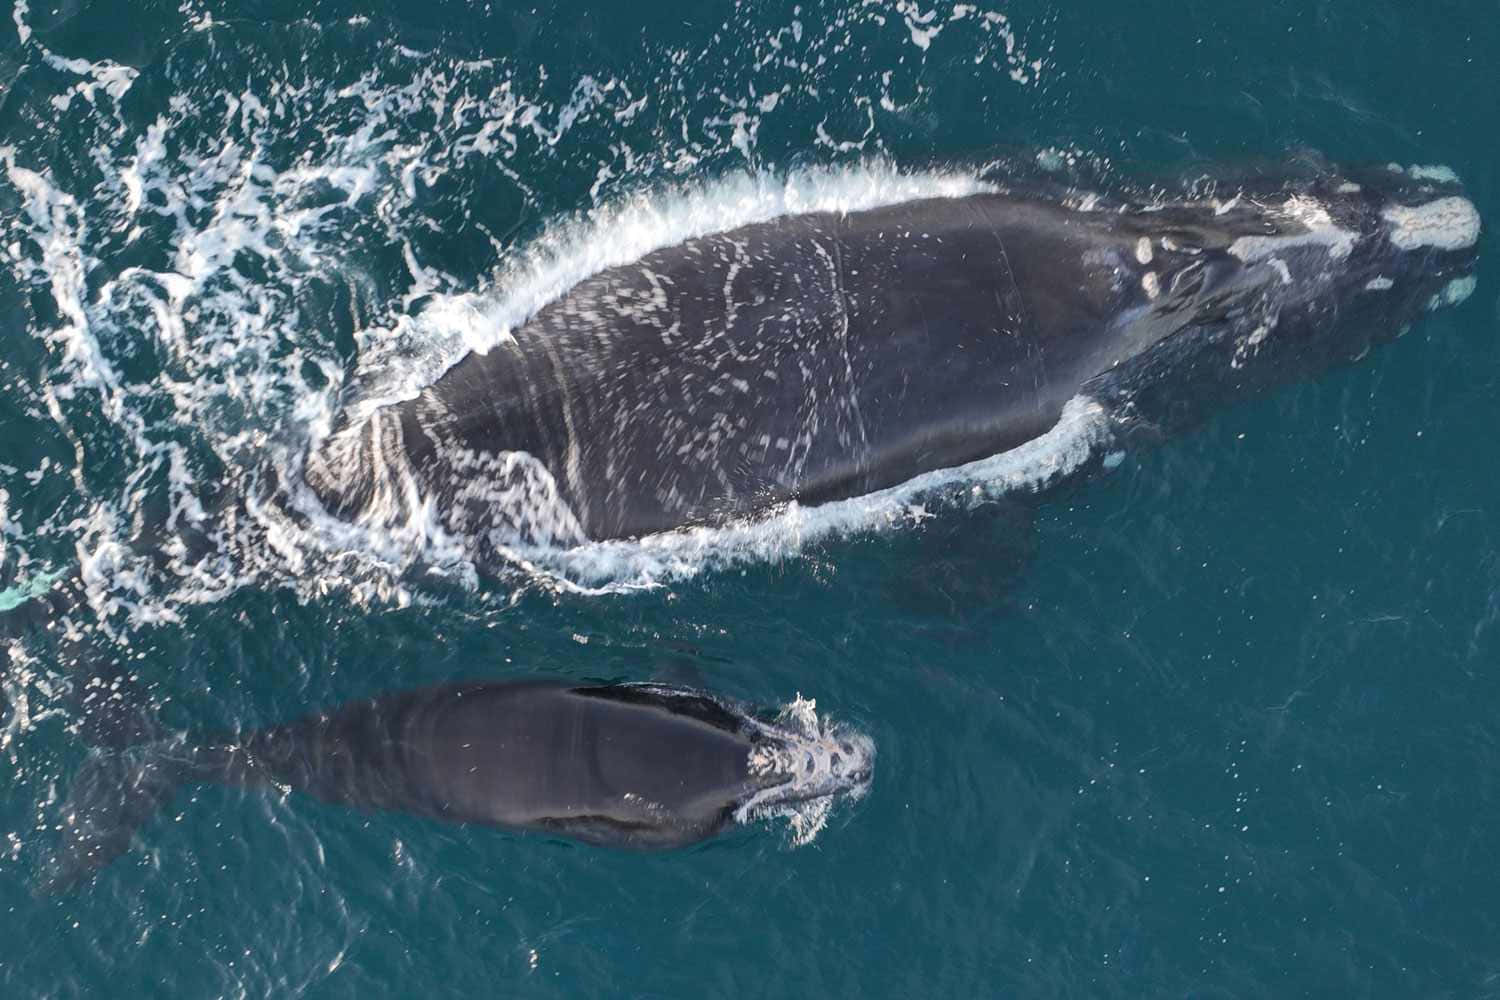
(824, 356)
(626, 765)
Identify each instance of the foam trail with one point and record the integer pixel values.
(1083, 431)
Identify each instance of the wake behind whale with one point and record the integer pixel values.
(740, 392)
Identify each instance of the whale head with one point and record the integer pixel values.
(1283, 277)
(802, 764)
(1425, 245)
(793, 766)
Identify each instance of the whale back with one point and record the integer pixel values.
(601, 764)
(637, 766)
(814, 357)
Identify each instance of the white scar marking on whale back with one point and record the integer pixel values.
(1445, 224)
(1143, 250)
(631, 564)
(1247, 347)
(1456, 291)
(1379, 284)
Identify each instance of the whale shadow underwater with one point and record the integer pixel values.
(640, 766)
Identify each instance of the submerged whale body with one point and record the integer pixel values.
(629, 765)
(824, 356)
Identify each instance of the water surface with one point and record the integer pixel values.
(1231, 732)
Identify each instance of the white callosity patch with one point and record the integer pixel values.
(1379, 284)
(1450, 223)
(1454, 292)
(1313, 226)
(1435, 172)
(18, 14)
(821, 761)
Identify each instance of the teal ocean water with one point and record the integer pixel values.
(1225, 724)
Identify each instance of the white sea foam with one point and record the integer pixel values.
(1084, 430)
(30, 689)
(248, 203)
(61, 234)
(110, 77)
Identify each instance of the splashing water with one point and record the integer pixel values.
(249, 250)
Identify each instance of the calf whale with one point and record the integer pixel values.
(626, 765)
(823, 356)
